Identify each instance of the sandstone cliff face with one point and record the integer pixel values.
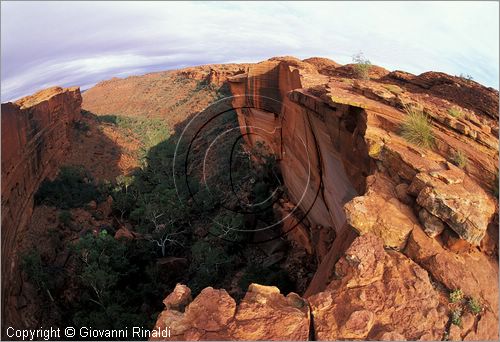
(35, 138)
(348, 172)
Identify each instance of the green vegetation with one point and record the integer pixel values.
(466, 77)
(228, 226)
(37, 272)
(460, 159)
(115, 280)
(210, 263)
(456, 317)
(474, 306)
(456, 296)
(362, 66)
(150, 131)
(393, 88)
(73, 187)
(81, 126)
(65, 217)
(455, 112)
(417, 128)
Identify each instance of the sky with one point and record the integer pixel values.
(81, 43)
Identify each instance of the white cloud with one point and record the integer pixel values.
(68, 43)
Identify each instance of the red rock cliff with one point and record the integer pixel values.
(349, 171)
(34, 142)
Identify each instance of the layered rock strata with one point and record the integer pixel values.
(35, 139)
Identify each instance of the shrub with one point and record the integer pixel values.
(417, 128)
(466, 77)
(455, 112)
(393, 88)
(65, 217)
(362, 66)
(72, 188)
(112, 282)
(31, 264)
(460, 159)
(110, 119)
(81, 126)
(228, 227)
(209, 264)
(456, 296)
(456, 317)
(474, 306)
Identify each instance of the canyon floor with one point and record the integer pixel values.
(288, 199)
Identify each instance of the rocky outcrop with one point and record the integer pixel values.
(35, 138)
(379, 211)
(455, 199)
(377, 295)
(330, 133)
(347, 169)
(264, 314)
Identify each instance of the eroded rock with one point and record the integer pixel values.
(380, 295)
(463, 205)
(381, 213)
(432, 225)
(263, 314)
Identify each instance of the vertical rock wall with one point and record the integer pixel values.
(35, 138)
(323, 156)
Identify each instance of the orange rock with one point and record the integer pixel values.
(462, 204)
(179, 298)
(474, 273)
(211, 310)
(378, 295)
(35, 141)
(264, 314)
(378, 212)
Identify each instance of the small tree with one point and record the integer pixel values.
(466, 77)
(36, 272)
(362, 66)
(163, 232)
(104, 262)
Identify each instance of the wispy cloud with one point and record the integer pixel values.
(81, 43)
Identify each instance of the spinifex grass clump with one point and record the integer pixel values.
(456, 296)
(455, 112)
(417, 128)
(460, 159)
(474, 305)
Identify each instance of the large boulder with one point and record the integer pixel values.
(380, 212)
(457, 200)
(474, 273)
(379, 295)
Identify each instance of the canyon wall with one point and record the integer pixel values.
(395, 226)
(323, 157)
(330, 136)
(35, 139)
